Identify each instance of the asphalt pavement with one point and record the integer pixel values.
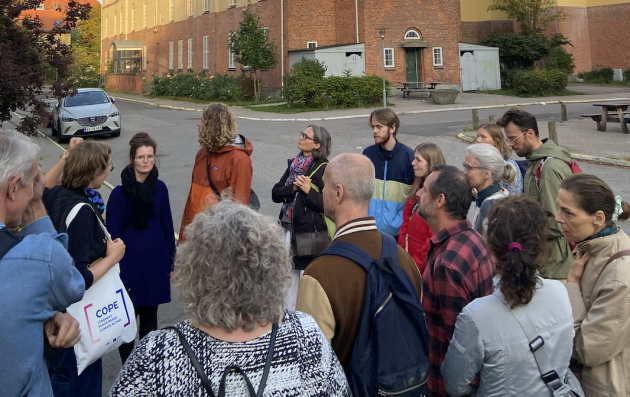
(275, 141)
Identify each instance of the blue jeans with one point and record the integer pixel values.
(65, 381)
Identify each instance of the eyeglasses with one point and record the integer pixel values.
(467, 168)
(111, 166)
(512, 141)
(150, 157)
(304, 136)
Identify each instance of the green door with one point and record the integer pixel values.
(411, 59)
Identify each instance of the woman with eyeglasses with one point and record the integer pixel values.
(485, 168)
(491, 134)
(302, 213)
(139, 212)
(84, 171)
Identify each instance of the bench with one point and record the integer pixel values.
(406, 91)
(612, 117)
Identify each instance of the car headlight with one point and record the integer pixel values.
(67, 119)
(114, 114)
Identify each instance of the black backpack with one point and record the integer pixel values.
(9, 238)
(391, 351)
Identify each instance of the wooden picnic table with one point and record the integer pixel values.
(617, 107)
(420, 86)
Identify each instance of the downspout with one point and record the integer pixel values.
(282, 43)
(356, 14)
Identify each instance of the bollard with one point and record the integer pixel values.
(492, 119)
(563, 110)
(475, 114)
(553, 132)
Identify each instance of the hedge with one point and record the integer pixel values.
(538, 82)
(221, 87)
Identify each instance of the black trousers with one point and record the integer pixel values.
(147, 322)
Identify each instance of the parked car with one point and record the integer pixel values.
(88, 113)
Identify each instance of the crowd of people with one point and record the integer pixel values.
(519, 269)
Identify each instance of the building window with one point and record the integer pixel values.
(144, 57)
(172, 11)
(437, 56)
(311, 44)
(206, 5)
(206, 52)
(389, 57)
(107, 26)
(191, 6)
(232, 3)
(133, 17)
(40, 6)
(56, 6)
(231, 57)
(161, 20)
(122, 21)
(170, 55)
(412, 34)
(180, 54)
(146, 15)
(190, 56)
(115, 23)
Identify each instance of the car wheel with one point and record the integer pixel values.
(61, 138)
(116, 134)
(53, 129)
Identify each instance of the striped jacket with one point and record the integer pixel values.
(394, 177)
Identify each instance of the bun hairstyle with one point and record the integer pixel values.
(515, 237)
(141, 139)
(592, 194)
(491, 159)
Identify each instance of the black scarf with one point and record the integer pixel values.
(140, 194)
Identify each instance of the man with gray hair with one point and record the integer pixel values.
(37, 275)
(332, 288)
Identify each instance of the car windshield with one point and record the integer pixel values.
(86, 98)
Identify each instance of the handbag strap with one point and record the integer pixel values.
(214, 188)
(618, 255)
(206, 382)
(75, 210)
(537, 346)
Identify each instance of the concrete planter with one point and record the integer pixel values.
(444, 97)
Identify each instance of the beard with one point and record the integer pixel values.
(379, 140)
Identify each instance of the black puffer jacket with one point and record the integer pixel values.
(308, 209)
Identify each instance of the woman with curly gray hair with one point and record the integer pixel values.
(232, 274)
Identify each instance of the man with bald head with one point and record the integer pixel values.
(332, 288)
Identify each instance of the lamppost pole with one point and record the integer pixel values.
(382, 32)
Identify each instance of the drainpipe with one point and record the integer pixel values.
(356, 13)
(282, 42)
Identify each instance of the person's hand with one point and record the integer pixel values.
(38, 185)
(35, 209)
(73, 143)
(304, 183)
(116, 249)
(171, 275)
(474, 192)
(577, 270)
(62, 330)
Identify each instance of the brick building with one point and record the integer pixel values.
(598, 29)
(51, 14)
(421, 37)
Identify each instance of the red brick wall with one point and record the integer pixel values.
(474, 32)
(124, 82)
(576, 28)
(609, 31)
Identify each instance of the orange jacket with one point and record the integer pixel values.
(230, 166)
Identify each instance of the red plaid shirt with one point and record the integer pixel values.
(459, 270)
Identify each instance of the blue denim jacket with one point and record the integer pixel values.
(37, 279)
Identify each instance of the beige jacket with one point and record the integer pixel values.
(601, 313)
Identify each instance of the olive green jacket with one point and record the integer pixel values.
(555, 170)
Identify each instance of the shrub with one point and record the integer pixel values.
(598, 75)
(560, 59)
(626, 75)
(221, 87)
(539, 82)
(303, 84)
(353, 91)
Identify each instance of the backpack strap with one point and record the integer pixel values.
(214, 188)
(351, 252)
(9, 238)
(618, 255)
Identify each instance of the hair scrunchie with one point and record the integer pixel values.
(515, 247)
(618, 210)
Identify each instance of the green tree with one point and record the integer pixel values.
(86, 45)
(533, 15)
(253, 49)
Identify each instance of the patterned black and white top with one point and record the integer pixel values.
(303, 364)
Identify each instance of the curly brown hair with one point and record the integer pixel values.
(517, 219)
(219, 127)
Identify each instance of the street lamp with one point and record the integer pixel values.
(382, 33)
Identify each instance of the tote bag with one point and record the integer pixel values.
(105, 314)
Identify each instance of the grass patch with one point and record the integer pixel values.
(607, 83)
(513, 92)
(193, 100)
(300, 108)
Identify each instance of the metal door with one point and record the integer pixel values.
(468, 65)
(411, 60)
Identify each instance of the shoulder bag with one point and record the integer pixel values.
(233, 368)
(254, 202)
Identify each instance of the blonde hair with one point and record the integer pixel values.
(86, 161)
(497, 136)
(219, 127)
(433, 156)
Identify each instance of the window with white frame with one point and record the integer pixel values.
(190, 54)
(40, 6)
(172, 11)
(133, 17)
(107, 26)
(231, 57)
(115, 23)
(412, 34)
(144, 57)
(389, 57)
(206, 52)
(146, 15)
(232, 3)
(206, 6)
(437, 56)
(180, 54)
(170, 55)
(311, 44)
(191, 7)
(122, 21)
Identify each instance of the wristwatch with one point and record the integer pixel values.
(64, 155)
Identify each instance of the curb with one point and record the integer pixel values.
(367, 115)
(582, 157)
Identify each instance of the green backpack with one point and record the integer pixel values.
(330, 225)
